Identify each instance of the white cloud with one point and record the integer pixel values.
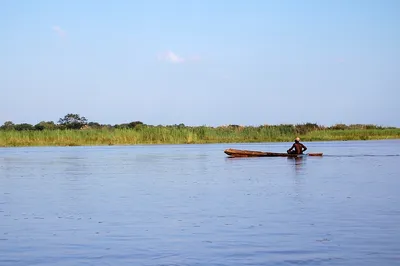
(60, 32)
(174, 58)
(171, 57)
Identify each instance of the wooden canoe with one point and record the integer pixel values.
(247, 153)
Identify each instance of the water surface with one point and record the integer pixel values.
(191, 205)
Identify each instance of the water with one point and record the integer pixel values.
(191, 205)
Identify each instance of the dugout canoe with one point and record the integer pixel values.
(247, 153)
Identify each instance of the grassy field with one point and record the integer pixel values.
(187, 135)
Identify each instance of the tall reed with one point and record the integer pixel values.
(181, 135)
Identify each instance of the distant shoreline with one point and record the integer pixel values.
(189, 135)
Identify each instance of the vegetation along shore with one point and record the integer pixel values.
(74, 130)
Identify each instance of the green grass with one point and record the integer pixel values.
(184, 135)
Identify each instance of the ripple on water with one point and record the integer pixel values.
(189, 205)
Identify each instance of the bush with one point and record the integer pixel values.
(23, 126)
(135, 124)
(339, 127)
(45, 125)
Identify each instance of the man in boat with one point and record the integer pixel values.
(297, 147)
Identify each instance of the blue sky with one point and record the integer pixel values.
(209, 62)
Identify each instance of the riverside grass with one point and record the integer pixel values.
(185, 135)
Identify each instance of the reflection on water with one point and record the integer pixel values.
(298, 163)
(190, 205)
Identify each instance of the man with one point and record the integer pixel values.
(298, 147)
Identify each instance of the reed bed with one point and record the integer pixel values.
(189, 135)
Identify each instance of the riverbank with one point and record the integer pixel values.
(186, 135)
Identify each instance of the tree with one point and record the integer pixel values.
(8, 125)
(135, 124)
(94, 125)
(45, 125)
(23, 126)
(73, 121)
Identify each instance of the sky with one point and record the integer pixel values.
(209, 62)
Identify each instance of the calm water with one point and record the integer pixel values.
(191, 205)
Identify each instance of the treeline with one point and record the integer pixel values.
(77, 122)
(69, 121)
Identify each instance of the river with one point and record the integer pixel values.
(192, 205)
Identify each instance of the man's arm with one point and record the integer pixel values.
(291, 148)
(304, 147)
